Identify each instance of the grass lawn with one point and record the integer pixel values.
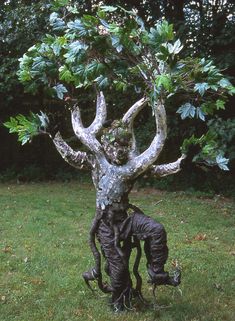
(44, 250)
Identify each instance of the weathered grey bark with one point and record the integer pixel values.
(167, 169)
(115, 166)
(128, 120)
(76, 159)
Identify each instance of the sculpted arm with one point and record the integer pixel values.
(167, 169)
(74, 158)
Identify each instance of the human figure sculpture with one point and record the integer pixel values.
(116, 164)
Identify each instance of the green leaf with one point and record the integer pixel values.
(206, 65)
(73, 9)
(11, 125)
(74, 50)
(116, 43)
(25, 61)
(78, 27)
(164, 81)
(175, 48)
(60, 90)
(231, 90)
(39, 64)
(24, 76)
(187, 110)
(222, 162)
(165, 30)
(200, 114)
(225, 83)
(25, 127)
(65, 74)
(220, 104)
(56, 47)
(94, 69)
(44, 120)
(56, 22)
(57, 4)
(191, 141)
(120, 85)
(201, 87)
(89, 21)
(102, 81)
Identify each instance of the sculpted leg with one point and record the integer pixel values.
(155, 247)
(117, 235)
(117, 266)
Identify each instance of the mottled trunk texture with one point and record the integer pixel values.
(119, 226)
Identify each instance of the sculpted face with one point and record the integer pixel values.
(117, 143)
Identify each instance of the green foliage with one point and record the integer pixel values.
(224, 133)
(222, 162)
(187, 110)
(93, 49)
(113, 49)
(60, 90)
(27, 127)
(201, 88)
(212, 150)
(164, 81)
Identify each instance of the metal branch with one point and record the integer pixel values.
(84, 136)
(141, 163)
(101, 114)
(130, 115)
(167, 169)
(76, 159)
(128, 119)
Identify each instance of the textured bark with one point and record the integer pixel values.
(76, 159)
(115, 165)
(128, 120)
(142, 162)
(167, 169)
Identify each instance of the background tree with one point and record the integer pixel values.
(113, 50)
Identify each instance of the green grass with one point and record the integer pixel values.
(44, 250)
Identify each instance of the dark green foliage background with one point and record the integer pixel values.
(206, 30)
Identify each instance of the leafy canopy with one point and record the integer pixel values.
(113, 50)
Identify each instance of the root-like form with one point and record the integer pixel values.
(117, 240)
(138, 287)
(95, 272)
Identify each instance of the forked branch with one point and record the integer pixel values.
(130, 115)
(87, 135)
(83, 135)
(128, 120)
(101, 114)
(140, 163)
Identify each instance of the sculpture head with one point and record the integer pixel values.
(116, 141)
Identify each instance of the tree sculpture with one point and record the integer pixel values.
(114, 49)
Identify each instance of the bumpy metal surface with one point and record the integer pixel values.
(118, 233)
(115, 165)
